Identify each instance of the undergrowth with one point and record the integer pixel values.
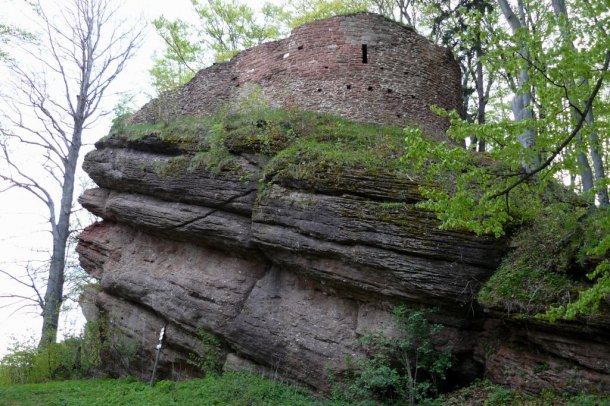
(240, 388)
(556, 257)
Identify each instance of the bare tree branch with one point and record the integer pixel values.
(85, 47)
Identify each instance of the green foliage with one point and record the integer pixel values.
(210, 356)
(553, 253)
(304, 11)
(122, 111)
(234, 389)
(181, 58)
(75, 357)
(26, 363)
(461, 185)
(237, 389)
(225, 28)
(534, 276)
(405, 368)
(595, 246)
(524, 291)
(487, 393)
(231, 26)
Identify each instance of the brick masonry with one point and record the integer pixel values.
(362, 66)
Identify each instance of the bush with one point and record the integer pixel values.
(75, 357)
(26, 363)
(402, 369)
(210, 356)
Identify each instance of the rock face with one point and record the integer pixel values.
(288, 271)
(363, 67)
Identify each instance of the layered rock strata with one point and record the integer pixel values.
(288, 271)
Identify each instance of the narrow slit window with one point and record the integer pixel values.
(365, 54)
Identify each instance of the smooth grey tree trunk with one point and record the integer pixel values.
(561, 12)
(521, 104)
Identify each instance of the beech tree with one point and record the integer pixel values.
(56, 95)
(226, 28)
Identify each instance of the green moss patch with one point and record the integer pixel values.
(335, 146)
(296, 144)
(548, 267)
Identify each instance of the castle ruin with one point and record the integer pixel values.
(363, 67)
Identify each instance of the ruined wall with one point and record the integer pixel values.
(363, 67)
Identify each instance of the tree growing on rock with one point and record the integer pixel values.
(56, 95)
(226, 28)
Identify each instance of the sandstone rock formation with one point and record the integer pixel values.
(286, 269)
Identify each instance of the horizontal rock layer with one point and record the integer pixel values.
(289, 273)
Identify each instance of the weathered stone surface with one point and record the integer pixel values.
(532, 372)
(280, 320)
(288, 276)
(168, 178)
(188, 284)
(181, 221)
(152, 143)
(383, 187)
(532, 356)
(131, 334)
(363, 67)
(355, 241)
(300, 274)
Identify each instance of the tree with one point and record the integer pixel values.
(82, 50)
(300, 12)
(225, 28)
(522, 99)
(462, 27)
(403, 11)
(9, 33)
(570, 84)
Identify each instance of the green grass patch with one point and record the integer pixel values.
(228, 389)
(553, 255)
(335, 146)
(296, 144)
(184, 129)
(238, 389)
(487, 393)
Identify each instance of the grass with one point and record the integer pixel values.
(228, 389)
(488, 394)
(238, 388)
(338, 145)
(546, 267)
(295, 144)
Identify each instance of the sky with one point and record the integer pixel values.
(22, 219)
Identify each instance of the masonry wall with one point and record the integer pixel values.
(363, 67)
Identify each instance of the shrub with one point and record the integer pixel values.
(75, 357)
(209, 358)
(406, 368)
(26, 363)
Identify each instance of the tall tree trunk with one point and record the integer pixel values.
(84, 47)
(521, 104)
(561, 12)
(53, 297)
(598, 162)
(481, 93)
